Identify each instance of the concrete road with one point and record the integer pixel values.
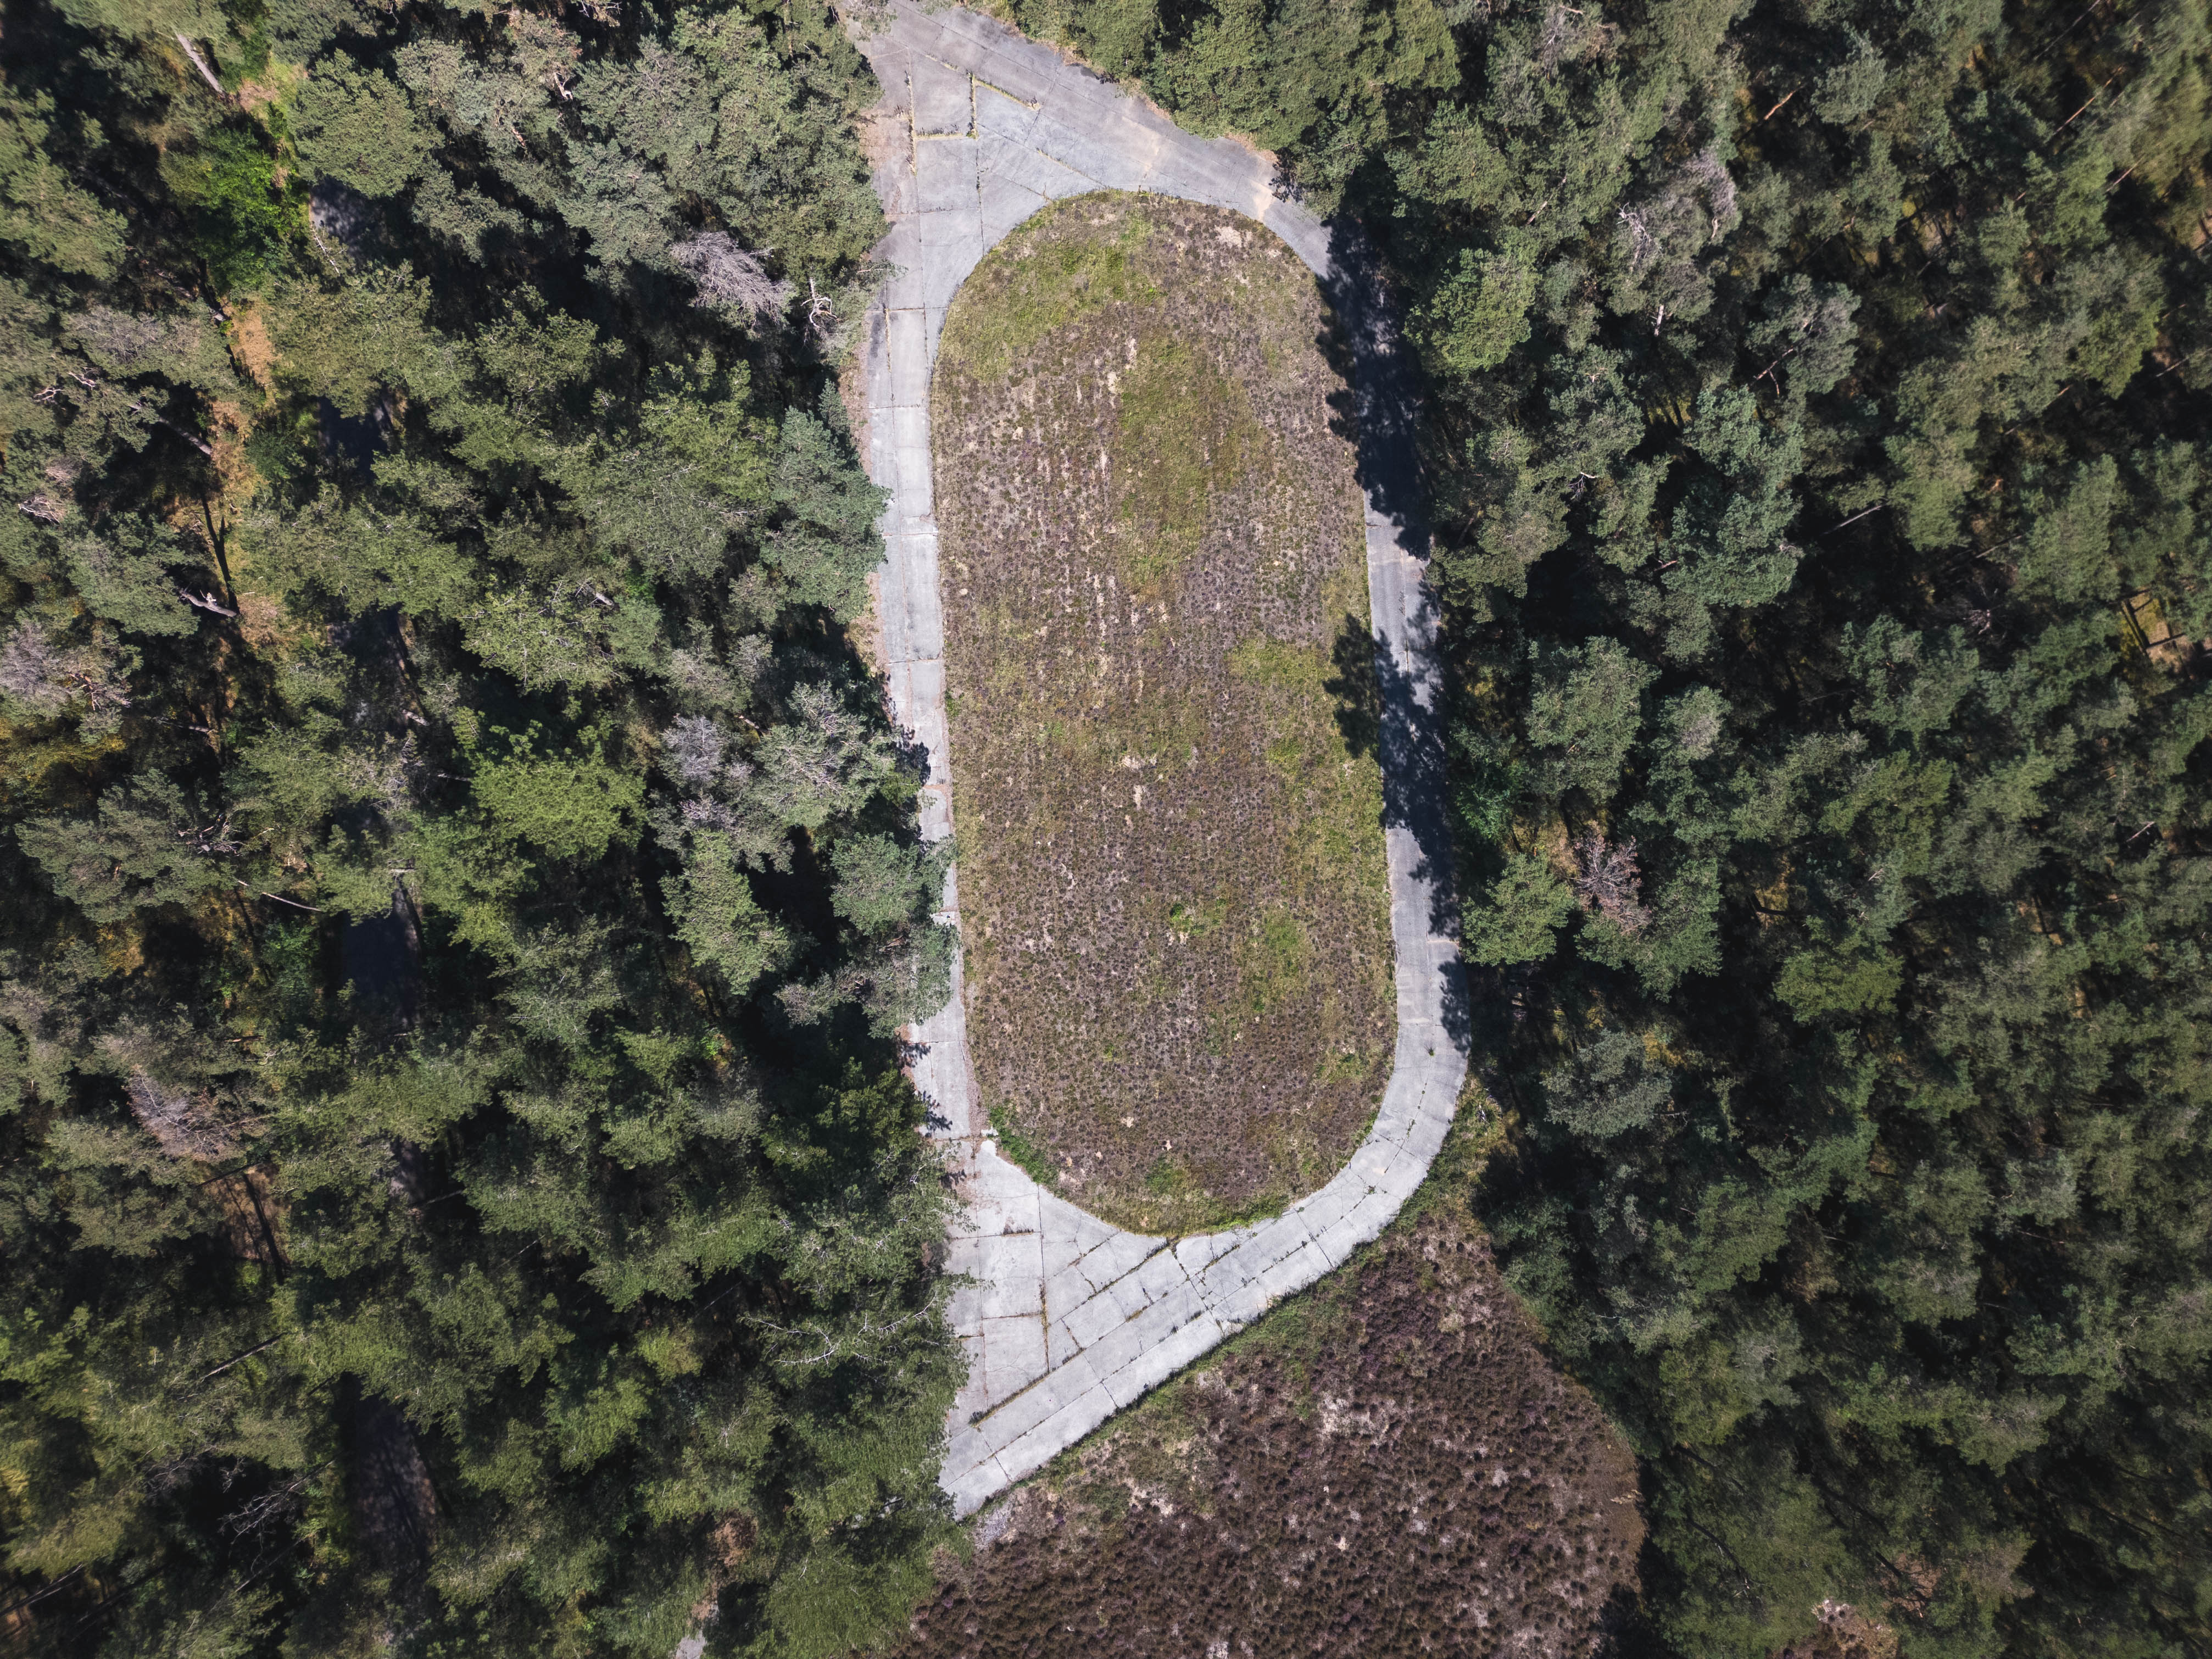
(1070, 1320)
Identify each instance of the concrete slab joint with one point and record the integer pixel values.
(1068, 1320)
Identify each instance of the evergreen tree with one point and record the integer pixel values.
(1815, 394)
(460, 1187)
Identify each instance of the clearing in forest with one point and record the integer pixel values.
(1386, 1466)
(1160, 683)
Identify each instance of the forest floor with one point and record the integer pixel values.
(1160, 683)
(1386, 1465)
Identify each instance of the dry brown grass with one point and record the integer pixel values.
(251, 346)
(1171, 861)
(1388, 1467)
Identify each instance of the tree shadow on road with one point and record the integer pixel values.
(1390, 707)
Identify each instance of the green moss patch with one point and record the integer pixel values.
(1036, 287)
(1184, 439)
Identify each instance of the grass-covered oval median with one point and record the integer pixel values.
(1159, 678)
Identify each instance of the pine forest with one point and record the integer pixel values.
(462, 894)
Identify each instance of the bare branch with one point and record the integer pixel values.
(729, 274)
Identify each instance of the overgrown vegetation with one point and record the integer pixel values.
(457, 1189)
(1817, 393)
(1387, 1465)
(1172, 876)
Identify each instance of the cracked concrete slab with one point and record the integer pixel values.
(942, 99)
(1067, 1320)
(1003, 123)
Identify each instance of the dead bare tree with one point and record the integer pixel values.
(1610, 883)
(730, 274)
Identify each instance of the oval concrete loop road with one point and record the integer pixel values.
(1069, 1320)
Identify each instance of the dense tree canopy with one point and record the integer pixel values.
(1815, 441)
(456, 1185)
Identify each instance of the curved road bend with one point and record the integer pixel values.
(1071, 1320)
